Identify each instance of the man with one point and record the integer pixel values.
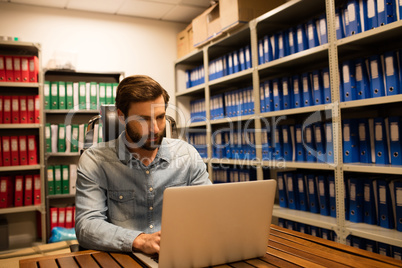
(120, 183)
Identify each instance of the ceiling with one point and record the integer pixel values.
(166, 10)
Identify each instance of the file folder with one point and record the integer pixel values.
(291, 186)
(19, 191)
(260, 55)
(109, 95)
(323, 192)
(286, 93)
(318, 90)
(329, 144)
(300, 151)
(327, 99)
(82, 99)
(69, 95)
(15, 161)
(356, 199)
(2, 69)
(54, 95)
(297, 92)
(312, 34)
(50, 181)
(391, 72)
(349, 81)
(277, 95)
(1, 109)
(24, 69)
(6, 192)
(247, 54)
(339, 24)
(54, 217)
(236, 62)
(46, 95)
(307, 91)
(17, 69)
(73, 179)
(279, 51)
(33, 69)
(350, 141)
(313, 194)
(69, 217)
(94, 95)
(319, 136)
(278, 143)
(370, 214)
(323, 29)
(23, 152)
(332, 197)
(384, 204)
(268, 96)
(15, 110)
(262, 98)
(386, 12)
(302, 192)
(287, 143)
(61, 213)
(309, 140)
(381, 141)
(345, 17)
(395, 140)
(9, 66)
(364, 141)
(302, 41)
(61, 142)
(62, 95)
(23, 109)
(57, 179)
(292, 40)
(384, 249)
(5, 142)
(65, 179)
(376, 77)
(37, 190)
(32, 150)
(397, 203)
(31, 109)
(362, 80)
(346, 198)
(28, 190)
(283, 200)
(37, 109)
(354, 18)
(370, 14)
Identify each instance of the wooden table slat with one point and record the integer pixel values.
(362, 258)
(67, 262)
(86, 261)
(274, 260)
(293, 259)
(105, 260)
(48, 264)
(240, 264)
(260, 264)
(330, 245)
(125, 260)
(312, 255)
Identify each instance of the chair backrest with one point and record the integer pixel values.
(112, 128)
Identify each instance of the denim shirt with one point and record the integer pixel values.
(118, 197)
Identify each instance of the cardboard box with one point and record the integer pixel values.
(185, 41)
(227, 15)
(238, 12)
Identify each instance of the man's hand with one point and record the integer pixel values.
(148, 243)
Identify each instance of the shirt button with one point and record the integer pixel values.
(147, 171)
(151, 226)
(121, 197)
(151, 189)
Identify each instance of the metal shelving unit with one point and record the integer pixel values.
(328, 55)
(30, 219)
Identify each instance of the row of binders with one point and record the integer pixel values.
(234, 145)
(61, 138)
(199, 141)
(373, 140)
(303, 36)
(224, 175)
(307, 89)
(374, 246)
(20, 190)
(195, 76)
(371, 77)
(61, 179)
(307, 229)
(19, 69)
(362, 15)
(62, 217)
(230, 63)
(374, 200)
(307, 192)
(78, 95)
(197, 110)
(19, 109)
(18, 150)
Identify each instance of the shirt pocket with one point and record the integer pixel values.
(121, 205)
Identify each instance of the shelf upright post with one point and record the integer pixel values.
(336, 120)
(208, 111)
(256, 92)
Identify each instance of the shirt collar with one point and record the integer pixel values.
(125, 156)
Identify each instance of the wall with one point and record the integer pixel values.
(102, 42)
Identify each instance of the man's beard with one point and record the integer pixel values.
(141, 141)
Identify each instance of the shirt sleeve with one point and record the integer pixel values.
(92, 227)
(199, 174)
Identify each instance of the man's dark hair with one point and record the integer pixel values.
(138, 88)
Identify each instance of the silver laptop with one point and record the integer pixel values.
(214, 224)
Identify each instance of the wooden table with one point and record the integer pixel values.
(286, 248)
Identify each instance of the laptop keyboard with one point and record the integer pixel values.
(155, 258)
